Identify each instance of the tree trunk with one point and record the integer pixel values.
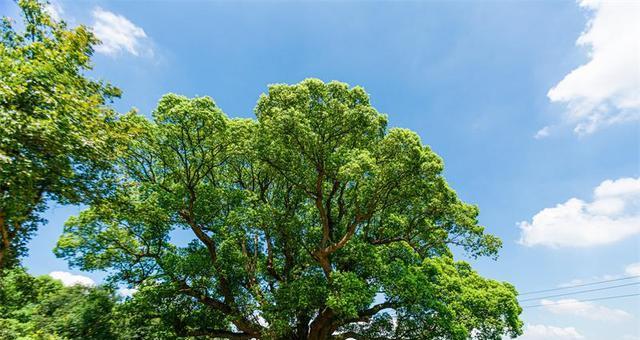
(5, 242)
(321, 328)
(302, 328)
(320, 334)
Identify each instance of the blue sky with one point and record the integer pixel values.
(472, 78)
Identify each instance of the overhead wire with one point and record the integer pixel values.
(581, 291)
(583, 300)
(580, 285)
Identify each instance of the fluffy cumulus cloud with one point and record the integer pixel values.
(69, 279)
(587, 310)
(606, 89)
(544, 332)
(119, 35)
(612, 215)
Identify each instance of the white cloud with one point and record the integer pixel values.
(543, 332)
(605, 90)
(589, 280)
(55, 10)
(127, 292)
(633, 269)
(587, 310)
(542, 133)
(69, 279)
(614, 214)
(118, 34)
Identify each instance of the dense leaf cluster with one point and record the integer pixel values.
(41, 308)
(55, 130)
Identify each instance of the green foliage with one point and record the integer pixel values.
(160, 311)
(41, 308)
(314, 221)
(56, 134)
(349, 294)
(443, 299)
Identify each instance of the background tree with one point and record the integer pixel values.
(56, 134)
(42, 308)
(314, 222)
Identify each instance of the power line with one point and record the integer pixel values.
(579, 285)
(582, 291)
(585, 300)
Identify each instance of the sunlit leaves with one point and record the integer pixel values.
(57, 135)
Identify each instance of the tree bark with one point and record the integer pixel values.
(321, 327)
(5, 241)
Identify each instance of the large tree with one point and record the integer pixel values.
(56, 134)
(314, 221)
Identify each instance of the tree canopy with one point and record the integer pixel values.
(42, 308)
(55, 129)
(314, 221)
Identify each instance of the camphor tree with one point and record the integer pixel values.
(56, 134)
(314, 221)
